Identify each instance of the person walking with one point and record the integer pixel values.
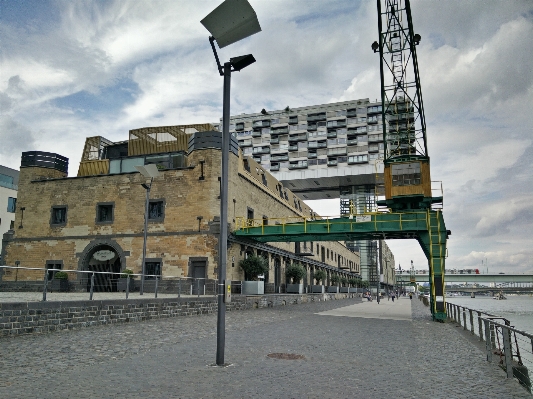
(410, 295)
(393, 295)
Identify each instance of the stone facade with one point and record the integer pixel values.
(186, 232)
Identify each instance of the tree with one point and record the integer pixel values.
(295, 272)
(253, 266)
(344, 281)
(352, 281)
(319, 275)
(334, 279)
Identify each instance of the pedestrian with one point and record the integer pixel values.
(410, 295)
(393, 295)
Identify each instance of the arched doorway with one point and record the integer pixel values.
(106, 259)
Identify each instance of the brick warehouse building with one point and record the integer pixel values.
(61, 222)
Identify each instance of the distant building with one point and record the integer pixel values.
(68, 222)
(9, 179)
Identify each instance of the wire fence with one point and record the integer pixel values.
(91, 282)
(510, 347)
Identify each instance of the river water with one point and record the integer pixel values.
(518, 309)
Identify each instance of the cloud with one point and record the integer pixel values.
(15, 138)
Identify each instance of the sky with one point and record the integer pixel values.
(74, 69)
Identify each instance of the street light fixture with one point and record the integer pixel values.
(231, 21)
(149, 171)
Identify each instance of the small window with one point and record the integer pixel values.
(156, 210)
(59, 215)
(152, 269)
(104, 212)
(11, 204)
(52, 264)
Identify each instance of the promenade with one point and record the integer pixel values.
(347, 349)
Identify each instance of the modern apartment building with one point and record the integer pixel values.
(321, 152)
(8, 199)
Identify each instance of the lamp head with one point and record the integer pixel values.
(375, 47)
(149, 170)
(231, 21)
(241, 62)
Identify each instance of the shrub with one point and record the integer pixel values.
(61, 276)
(127, 272)
(352, 281)
(253, 266)
(334, 279)
(344, 280)
(295, 272)
(319, 275)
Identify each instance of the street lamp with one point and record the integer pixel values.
(231, 21)
(148, 171)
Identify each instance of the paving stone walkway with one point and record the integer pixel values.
(344, 357)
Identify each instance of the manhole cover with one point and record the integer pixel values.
(286, 356)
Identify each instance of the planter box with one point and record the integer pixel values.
(121, 284)
(352, 290)
(59, 285)
(253, 287)
(317, 289)
(344, 290)
(333, 289)
(295, 288)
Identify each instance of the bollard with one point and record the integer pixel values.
(44, 286)
(156, 284)
(127, 286)
(92, 287)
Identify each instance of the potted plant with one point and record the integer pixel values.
(253, 266)
(123, 280)
(294, 273)
(60, 282)
(344, 281)
(319, 276)
(334, 287)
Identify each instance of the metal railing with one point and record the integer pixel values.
(105, 282)
(510, 347)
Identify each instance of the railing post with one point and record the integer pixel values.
(127, 286)
(92, 287)
(156, 284)
(480, 326)
(198, 287)
(471, 321)
(204, 286)
(488, 344)
(192, 282)
(45, 282)
(507, 351)
(492, 335)
(464, 318)
(179, 287)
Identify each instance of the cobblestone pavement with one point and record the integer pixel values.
(345, 357)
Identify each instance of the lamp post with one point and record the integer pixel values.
(231, 21)
(149, 171)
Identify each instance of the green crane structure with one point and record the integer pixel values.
(409, 209)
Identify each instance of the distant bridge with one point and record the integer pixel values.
(470, 278)
(494, 290)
